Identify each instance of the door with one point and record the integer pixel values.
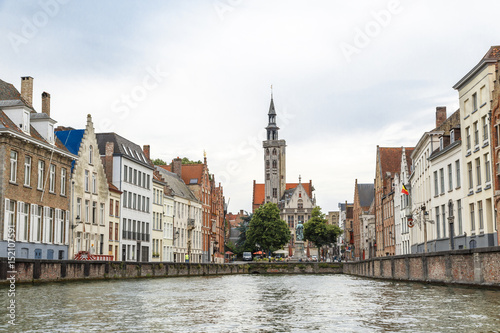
(50, 254)
(38, 253)
(145, 254)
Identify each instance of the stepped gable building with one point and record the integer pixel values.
(295, 200)
(90, 191)
(362, 219)
(130, 171)
(388, 163)
(35, 171)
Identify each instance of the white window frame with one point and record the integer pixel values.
(52, 179)
(63, 181)
(13, 166)
(41, 173)
(27, 171)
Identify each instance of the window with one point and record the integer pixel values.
(63, 181)
(147, 182)
(27, 171)
(485, 128)
(135, 177)
(111, 231)
(86, 180)
(125, 173)
(49, 224)
(450, 178)
(441, 176)
(91, 154)
(94, 183)
(467, 134)
(436, 184)
(101, 214)
(41, 172)
(474, 102)
(452, 136)
(443, 212)
(94, 212)
(275, 192)
(10, 211)
(438, 233)
(79, 208)
(13, 166)
(36, 213)
(459, 217)
(472, 220)
(130, 173)
(469, 172)
(139, 179)
(487, 172)
(480, 215)
(482, 96)
(476, 134)
(52, 178)
(117, 211)
(478, 171)
(87, 211)
(23, 221)
(457, 169)
(110, 207)
(275, 164)
(267, 164)
(116, 231)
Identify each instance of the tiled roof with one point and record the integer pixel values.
(9, 93)
(123, 147)
(179, 188)
(390, 162)
(259, 192)
(189, 172)
(113, 188)
(366, 194)
(493, 53)
(6, 122)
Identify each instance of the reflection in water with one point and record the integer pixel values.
(252, 303)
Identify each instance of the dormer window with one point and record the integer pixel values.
(26, 122)
(452, 136)
(441, 143)
(50, 134)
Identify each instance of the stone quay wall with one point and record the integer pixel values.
(29, 270)
(474, 267)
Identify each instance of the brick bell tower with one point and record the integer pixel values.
(274, 160)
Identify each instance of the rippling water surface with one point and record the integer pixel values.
(252, 303)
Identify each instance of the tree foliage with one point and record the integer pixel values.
(186, 160)
(159, 161)
(317, 230)
(266, 230)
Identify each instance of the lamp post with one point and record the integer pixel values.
(176, 235)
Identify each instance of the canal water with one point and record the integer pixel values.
(251, 303)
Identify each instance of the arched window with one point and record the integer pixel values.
(91, 153)
(274, 151)
(267, 151)
(275, 164)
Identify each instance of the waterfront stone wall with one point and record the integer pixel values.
(480, 266)
(29, 270)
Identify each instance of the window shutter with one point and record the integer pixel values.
(66, 238)
(6, 220)
(33, 222)
(56, 226)
(19, 230)
(45, 224)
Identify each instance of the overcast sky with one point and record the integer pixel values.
(189, 76)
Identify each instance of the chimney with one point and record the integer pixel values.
(145, 149)
(440, 115)
(27, 89)
(177, 166)
(108, 160)
(46, 103)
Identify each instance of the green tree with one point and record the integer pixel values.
(242, 245)
(159, 161)
(317, 230)
(267, 230)
(186, 160)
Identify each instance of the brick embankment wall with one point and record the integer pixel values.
(26, 270)
(476, 267)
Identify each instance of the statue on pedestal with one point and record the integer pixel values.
(299, 232)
